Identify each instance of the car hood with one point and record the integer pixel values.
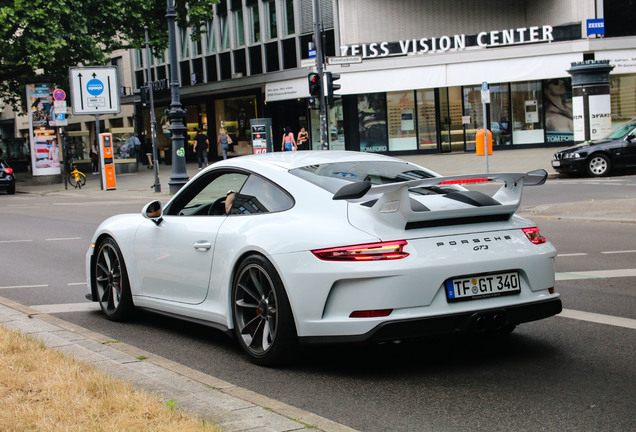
(586, 145)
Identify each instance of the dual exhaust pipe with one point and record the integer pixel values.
(483, 322)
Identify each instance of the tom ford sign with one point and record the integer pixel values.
(459, 42)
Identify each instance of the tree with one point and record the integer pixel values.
(41, 39)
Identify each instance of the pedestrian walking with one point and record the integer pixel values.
(289, 143)
(201, 144)
(224, 140)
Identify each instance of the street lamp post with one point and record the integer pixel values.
(176, 114)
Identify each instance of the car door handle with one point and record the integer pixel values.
(202, 245)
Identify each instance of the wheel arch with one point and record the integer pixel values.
(232, 277)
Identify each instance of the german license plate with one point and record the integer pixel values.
(482, 286)
(556, 163)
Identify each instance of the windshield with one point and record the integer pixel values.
(333, 176)
(621, 131)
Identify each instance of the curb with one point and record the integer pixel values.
(230, 407)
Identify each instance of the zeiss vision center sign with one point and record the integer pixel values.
(94, 90)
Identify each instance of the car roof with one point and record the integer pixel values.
(297, 159)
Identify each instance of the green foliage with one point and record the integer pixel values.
(48, 37)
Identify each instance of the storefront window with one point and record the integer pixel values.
(557, 105)
(233, 115)
(500, 115)
(239, 32)
(527, 115)
(401, 116)
(426, 125)
(623, 98)
(372, 122)
(336, 126)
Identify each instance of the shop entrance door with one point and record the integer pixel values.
(451, 127)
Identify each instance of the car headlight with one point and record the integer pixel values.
(573, 156)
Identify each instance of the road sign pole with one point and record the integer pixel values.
(97, 132)
(485, 99)
(153, 121)
(324, 143)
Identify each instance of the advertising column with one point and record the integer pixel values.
(45, 149)
(591, 106)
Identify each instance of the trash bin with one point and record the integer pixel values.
(479, 138)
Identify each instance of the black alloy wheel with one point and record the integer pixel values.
(263, 321)
(111, 282)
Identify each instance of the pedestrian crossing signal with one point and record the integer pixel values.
(314, 84)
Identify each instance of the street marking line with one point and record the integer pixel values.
(63, 238)
(599, 318)
(76, 283)
(619, 252)
(24, 286)
(15, 241)
(595, 274)
(572, 254)
(67, 307)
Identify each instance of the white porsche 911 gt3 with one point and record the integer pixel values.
(329, 247)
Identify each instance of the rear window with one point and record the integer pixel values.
(333, 176)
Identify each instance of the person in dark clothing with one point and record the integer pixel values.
(201, 144)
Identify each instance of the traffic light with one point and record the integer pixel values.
(141, 96)
(312, 103)
(314, 84)
(331, 87)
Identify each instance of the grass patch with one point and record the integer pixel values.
(44, 390)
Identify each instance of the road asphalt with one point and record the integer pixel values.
(230, 407)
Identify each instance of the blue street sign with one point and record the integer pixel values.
(312, 53)
(95, 87)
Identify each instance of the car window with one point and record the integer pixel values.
(206, 196)
(333, 176)
(259, 195)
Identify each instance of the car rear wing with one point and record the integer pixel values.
(395, 206)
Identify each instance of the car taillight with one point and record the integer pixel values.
(534, 235)
(465, 181)
(366, 252)
(8, 170)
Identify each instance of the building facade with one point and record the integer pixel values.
(411, 72)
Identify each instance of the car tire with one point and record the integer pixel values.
(262, 317)
(598, 165)
(11, 190)
(111, 282)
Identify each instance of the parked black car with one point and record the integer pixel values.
(7, 179)
(597, 158)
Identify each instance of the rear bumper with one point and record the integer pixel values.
(467, 322)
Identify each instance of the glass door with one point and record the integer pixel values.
(451, 120)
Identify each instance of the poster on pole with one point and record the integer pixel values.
(45, 149)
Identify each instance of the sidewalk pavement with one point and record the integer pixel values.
(141, 184)
(229, 406)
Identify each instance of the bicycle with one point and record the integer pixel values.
(76, 178)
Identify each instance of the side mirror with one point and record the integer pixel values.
(153, 211)
(630, 137)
